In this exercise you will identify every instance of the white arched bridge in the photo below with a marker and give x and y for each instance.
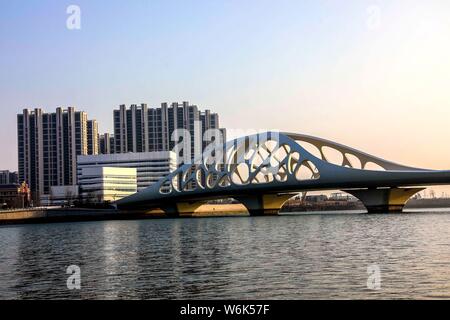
(263, 171)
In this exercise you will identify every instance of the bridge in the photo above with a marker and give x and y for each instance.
(263, 171)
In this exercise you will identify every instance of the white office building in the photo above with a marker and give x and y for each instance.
(150, 166)
(101, 184)
(60, 195)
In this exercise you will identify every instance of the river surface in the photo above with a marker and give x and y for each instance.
(294, 256)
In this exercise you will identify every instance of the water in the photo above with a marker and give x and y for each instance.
(296, 256)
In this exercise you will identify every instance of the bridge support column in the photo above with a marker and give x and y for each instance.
(181, 208)
(387, 200)
(264, 205)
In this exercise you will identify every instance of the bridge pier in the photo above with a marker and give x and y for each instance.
(265, 204)
(180, 208)
(384, 200)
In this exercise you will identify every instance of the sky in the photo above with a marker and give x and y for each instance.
(374, 75)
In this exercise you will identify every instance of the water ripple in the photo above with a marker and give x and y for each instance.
(287, 257)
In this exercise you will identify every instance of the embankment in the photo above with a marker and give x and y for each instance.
(44, 215)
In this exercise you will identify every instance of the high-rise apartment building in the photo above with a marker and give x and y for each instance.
(210, 121)
(8, 177)
(48, 144)
(106, 144)
(142, 129)
(158, 132)
(131, 129)
(92, 137)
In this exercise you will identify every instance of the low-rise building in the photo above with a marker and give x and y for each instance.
(106, 184)
(60, 195)
(150, 166)
(14, 196)
(316, 198)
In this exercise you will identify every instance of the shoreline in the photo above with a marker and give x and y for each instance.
(50, 215)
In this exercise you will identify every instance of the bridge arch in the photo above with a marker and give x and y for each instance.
(262, 170)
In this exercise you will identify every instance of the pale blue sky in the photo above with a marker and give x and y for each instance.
(318, 67)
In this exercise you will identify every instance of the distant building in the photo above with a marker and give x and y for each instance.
(341, 196)
(14, 196)
(150, 166)
(131, 129)
(106, 144)
(101, 184)
(224, 135)
(48, 144)
(143, 129)
(92, 137)
(8, 177)
(316, 198)
(60, 195)
(209, 121)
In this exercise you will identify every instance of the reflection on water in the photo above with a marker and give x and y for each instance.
(293, 256)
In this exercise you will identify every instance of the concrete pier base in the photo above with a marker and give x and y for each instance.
(180, 208)
(265, 204)
(384, 200)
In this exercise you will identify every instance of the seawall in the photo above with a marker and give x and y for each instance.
(66, 215)
(44, 215)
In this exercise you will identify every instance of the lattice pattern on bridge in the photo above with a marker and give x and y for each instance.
(267, 158)
(263, 169)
